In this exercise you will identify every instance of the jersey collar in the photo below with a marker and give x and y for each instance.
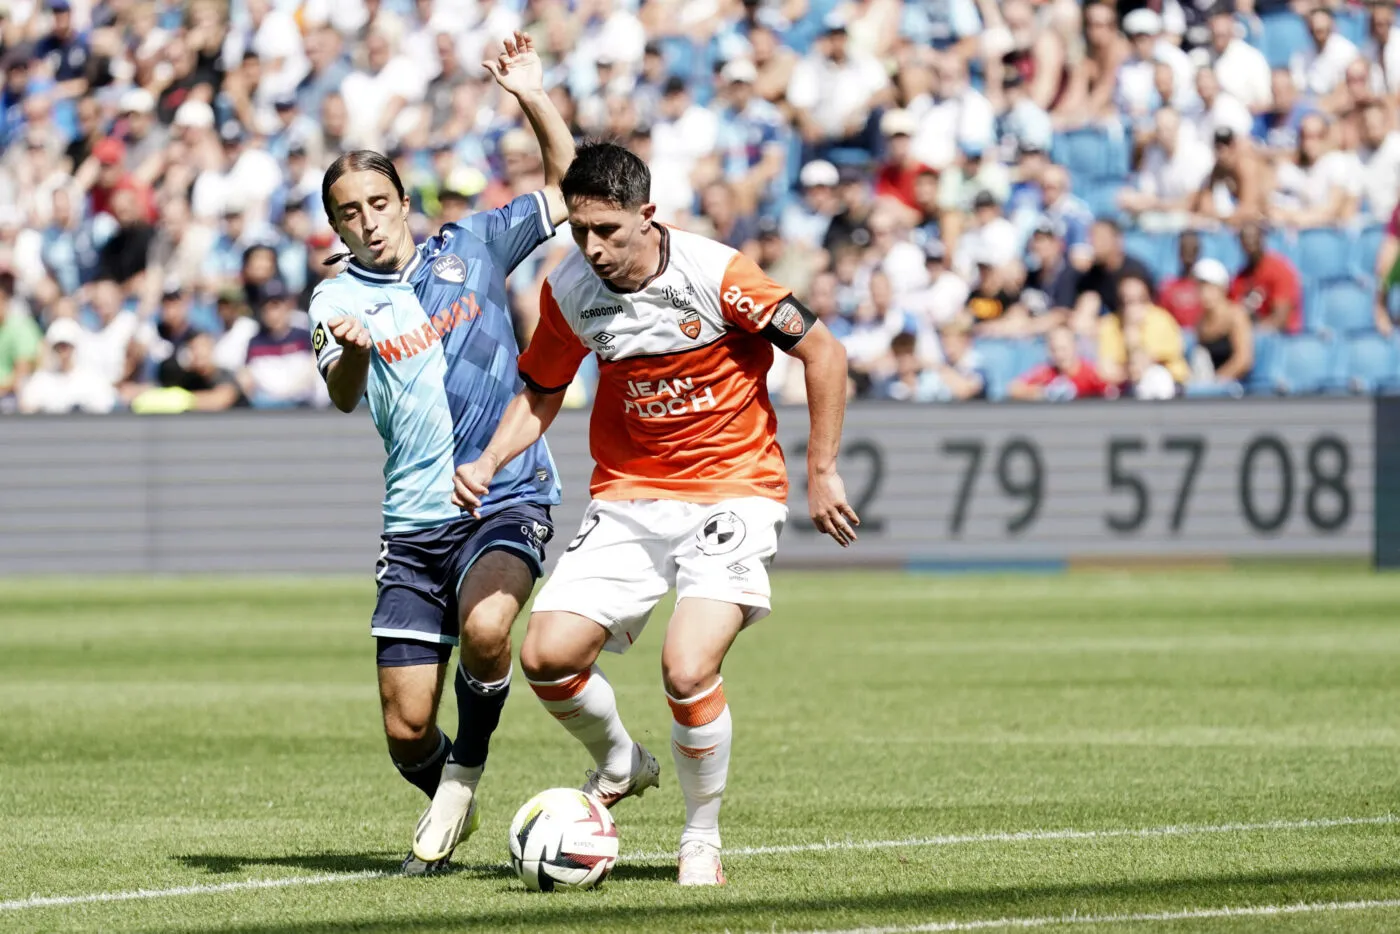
(384, 278)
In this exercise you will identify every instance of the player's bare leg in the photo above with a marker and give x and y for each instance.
(697, 639)
(559, 657)
(408, 698)
(491, 596)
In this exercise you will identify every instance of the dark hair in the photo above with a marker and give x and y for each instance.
(360, 160)
(607, 172)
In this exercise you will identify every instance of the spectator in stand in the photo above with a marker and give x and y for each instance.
(64, 52)
(991, 239)
(1137, 77)
(1242, 70)
(874, 324)
(1267, 286)
(751, 150)
(1379, 153)
(1063, 377)
(1070, 215)
(1181, 296)
(850, 227)
(1098, 292)
(280, 371)
(1216, 110)
(114, 350)
(239, 327)
(792, 264)
(835, 91)
(1141, 350)
(67, 383)
(1022, 124)
(995, 301)
(20, 341)
(199, 384)
(1052, 284)
(721, 220)
(1171, 174)
(1382, 48)
(956, 378)
(146, 139)
(1225, 338)
(172, 333)
(1319, 67)
(683, 136)
(126, 253)
(953, 116)
(1320, 186)
(945, 296)
(1277, 127)
(897, 177)
(1233, 192)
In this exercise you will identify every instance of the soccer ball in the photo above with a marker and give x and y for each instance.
(562, 839)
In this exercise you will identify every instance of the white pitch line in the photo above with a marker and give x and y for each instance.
(1192, 914)
(1023, 836)
(140, 894)
(1019, 836)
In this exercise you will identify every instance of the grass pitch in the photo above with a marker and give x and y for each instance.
(196, 735)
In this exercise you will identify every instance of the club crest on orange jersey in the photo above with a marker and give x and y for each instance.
(788, 320)
(690, 326)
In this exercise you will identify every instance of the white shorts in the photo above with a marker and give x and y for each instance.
(628, 554)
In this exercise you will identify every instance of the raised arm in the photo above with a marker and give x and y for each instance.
(518, 71)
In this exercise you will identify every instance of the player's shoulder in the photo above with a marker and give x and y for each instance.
(336, 292)
(700, 257)
(572, 281)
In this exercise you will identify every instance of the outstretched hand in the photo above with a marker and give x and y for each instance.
(830, 511)
(518, 69)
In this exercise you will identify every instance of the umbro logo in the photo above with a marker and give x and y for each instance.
(604, 338)
(737, 568)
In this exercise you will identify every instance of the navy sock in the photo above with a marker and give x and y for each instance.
(426, 774)
(478, 712)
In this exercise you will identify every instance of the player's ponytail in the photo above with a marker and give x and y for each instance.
(360, 160)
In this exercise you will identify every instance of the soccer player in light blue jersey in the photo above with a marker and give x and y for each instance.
(424, 333)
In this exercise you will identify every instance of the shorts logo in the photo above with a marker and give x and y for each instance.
(382, 565)
(690, 326)
(318, 338)
(789, 320)
(450, 268)
(722, 533)
(537, 533)
(737, 568)
(541, 475)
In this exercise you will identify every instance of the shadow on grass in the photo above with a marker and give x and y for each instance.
(221, 864)
(734, 909)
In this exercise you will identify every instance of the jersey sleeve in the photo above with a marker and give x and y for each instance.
(747, 297)
(323, 345)
(550, 361)
(512, 232)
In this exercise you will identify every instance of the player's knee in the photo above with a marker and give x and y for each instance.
(685, 679)
(486, 635)
(407, 727)
(545, 660)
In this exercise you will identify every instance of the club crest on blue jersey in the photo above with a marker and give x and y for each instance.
(450, 269)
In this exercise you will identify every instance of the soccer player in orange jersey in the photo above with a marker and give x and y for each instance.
(689, 487)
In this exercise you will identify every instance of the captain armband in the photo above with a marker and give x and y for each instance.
(789, 324)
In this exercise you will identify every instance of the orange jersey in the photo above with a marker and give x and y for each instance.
(682, 408)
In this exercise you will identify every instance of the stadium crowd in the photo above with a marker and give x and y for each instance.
(1029, 199)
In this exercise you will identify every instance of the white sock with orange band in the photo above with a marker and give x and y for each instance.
(701, 734)
(587, 707)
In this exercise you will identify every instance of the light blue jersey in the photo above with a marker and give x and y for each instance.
(443, 368)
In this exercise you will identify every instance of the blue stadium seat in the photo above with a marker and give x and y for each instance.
(1346, 308)
(1284, 34)
(1083, 152)
(1001, 361)
(1223, 245)
(1351, 24)
(1157, 250)
(1372, 364)
(1230, 390)
(1368, 244)
(1306, 364)
(1266, 352)
(1324, 254)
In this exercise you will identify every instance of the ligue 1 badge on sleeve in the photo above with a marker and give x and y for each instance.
(450, 268)
(318, 338)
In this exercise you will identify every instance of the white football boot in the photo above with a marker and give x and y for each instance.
(699, 864)
(646, 773)
(450, 819)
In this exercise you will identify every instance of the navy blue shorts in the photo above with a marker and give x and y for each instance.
(419, 575)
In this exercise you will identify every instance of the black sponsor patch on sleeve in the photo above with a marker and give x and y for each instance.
(790, 323)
